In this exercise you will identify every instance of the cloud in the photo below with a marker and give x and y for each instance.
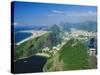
(80, 16)
(56, 12)
(72, 16)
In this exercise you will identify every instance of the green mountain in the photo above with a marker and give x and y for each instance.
(72, 56)
(55, 35)
(32, 46)
(36, 45)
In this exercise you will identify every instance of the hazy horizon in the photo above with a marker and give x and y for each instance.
(26, 13)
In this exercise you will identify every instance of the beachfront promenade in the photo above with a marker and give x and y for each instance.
(34, 35)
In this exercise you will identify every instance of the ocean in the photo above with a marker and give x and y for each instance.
(19, 36)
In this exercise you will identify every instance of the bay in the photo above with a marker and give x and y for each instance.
(19, 36)
(30, 64)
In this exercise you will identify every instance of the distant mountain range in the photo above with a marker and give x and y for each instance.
(30, 27)
(88, 25)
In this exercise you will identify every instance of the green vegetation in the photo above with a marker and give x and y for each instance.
(92, 62)
(81, 36)
(72, 56)
(36, 45)
(32, 46)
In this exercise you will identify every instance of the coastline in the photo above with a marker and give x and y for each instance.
(31, 56)
(34, 35)
(30, 37)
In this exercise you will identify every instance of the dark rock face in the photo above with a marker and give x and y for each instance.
(91, 43)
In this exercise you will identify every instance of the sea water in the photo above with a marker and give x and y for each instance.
(19, 36)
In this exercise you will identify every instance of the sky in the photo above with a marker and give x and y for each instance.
(27, 13)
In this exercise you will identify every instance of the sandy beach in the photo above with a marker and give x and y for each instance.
(34, 35)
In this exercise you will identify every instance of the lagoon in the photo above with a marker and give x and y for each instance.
(30, 64)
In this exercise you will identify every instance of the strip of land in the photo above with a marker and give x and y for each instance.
(34, 35)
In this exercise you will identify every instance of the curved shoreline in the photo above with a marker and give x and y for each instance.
(30, 37)
(37, 54)
(34, 35)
